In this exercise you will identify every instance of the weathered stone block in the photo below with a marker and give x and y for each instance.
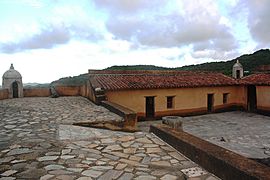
(173, 121)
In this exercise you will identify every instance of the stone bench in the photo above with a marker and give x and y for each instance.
(173, 121)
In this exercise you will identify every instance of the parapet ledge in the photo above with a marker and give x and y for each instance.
(215, 159)
(130, 117)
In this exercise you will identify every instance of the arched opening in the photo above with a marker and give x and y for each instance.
(15, 92)
(238, 74)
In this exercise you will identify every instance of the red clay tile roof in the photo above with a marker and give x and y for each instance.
(257, 79)
(123, 80)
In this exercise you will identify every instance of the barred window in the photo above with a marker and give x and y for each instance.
(225, 98)
(170, 103)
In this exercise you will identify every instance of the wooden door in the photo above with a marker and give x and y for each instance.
(210, 102)
(252, 98)
(15, 90)
(150, 107)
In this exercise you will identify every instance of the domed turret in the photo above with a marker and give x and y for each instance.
(12, 73)
(12, 80)
(237, 71)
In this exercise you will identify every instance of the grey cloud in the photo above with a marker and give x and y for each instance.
(50, 36)
(258, 19)
(85, 32)
(216, 55)
(154, 27)
(47, 38)
(127, 6)
(222, 44)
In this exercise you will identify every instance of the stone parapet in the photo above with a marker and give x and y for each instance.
(36, 92)
(130, 117)
(3, 94)
(217, 160)
(68, 90)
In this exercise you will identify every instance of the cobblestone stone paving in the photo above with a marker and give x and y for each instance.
(245, 133)
(38, 141)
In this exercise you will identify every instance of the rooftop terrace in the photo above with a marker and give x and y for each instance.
(38, 140)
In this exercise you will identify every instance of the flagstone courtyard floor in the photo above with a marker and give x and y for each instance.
(38, 141)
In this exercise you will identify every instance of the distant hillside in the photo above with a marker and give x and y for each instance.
(71, 81)
(250, 62)
(35, 85)
(137, 67)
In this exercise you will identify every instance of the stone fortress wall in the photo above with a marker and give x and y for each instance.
(3, 94)
(36, 92)
(45, 92)
(12, 87)
(68, 90)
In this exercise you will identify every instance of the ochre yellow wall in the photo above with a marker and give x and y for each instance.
(263, 97)
(187, 99)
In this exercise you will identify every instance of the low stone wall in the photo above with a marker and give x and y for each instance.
(217, 160)
(3, 94)
(263, 110)
(83, 90)
(68, 90)
(45, 92)
(130, 117)
(36, 92)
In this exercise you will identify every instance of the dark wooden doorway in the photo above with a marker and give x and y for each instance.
(150, 107)
(210, 102)
(237, 74)
(15, 90)
(252, 98)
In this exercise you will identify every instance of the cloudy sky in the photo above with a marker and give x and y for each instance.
(50, 39)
